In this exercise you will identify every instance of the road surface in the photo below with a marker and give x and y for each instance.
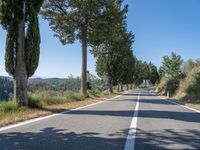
(128, 122)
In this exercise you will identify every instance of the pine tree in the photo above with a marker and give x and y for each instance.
(172, 65)
(87, 21)
(115, 58)
(20, 19)
(154, 76)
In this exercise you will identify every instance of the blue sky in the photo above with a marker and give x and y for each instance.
(160, 27)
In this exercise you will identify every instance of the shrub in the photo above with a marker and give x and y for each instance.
(105, 92)
(172, 86)
(162, 85)
(94, 93)
(35, 103)
(54, 97)
(167, 84)
(9, 106)
(190, 86)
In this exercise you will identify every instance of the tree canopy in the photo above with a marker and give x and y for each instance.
(20, 19)
(171, 65)
(88, 21)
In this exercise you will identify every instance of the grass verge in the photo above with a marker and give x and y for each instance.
(46, 103)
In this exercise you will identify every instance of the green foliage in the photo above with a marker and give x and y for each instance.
(115, 60)
(144, 72)
(168, 85)
(11, 48)
(138, 73)
(54, 97)
(91, 22)
(172, 86)
(68, 17)
(171, 74)
(32, 46)
(20, 19)
(11, 14)
(94, 93)
(35, 103)
(154, 76)
(171, 65)
(9, 108)
(70, 84)
(190, 86)
(189, 65)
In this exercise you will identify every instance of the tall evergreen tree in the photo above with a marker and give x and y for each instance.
(138, 76)
(115, 58)
(154, 76)
(85, 20)
(20, 19)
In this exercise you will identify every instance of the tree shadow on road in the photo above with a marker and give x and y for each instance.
(60, 139)
(192, 117)
(168, 139)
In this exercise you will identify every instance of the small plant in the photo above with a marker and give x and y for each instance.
(42, 98)
(94, 93)
(35, 103)
(9, 106)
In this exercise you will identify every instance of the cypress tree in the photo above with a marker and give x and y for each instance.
(20, 19)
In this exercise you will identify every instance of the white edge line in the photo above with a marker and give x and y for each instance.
(180, 105)
(130, 140)
(53, 115)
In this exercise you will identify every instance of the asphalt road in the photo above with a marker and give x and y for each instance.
(106, 126)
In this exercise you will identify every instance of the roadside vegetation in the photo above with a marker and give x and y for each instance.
(47, 102)
(180, 80)
(100, 25)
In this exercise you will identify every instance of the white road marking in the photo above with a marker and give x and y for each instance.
(130, 141)
(169, 101)
(54, 115)
(181, 105)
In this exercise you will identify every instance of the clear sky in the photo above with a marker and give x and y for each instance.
(160, 27)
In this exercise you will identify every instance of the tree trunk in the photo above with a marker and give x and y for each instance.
(20, 75)
(131, 86)
(127, 87)
(122, 89)
(118, 87)
(110, 88)
(84, 61)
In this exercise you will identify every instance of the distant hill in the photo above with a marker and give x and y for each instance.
(6, 88)
(43, 84)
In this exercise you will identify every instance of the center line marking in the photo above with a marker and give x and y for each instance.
(130, 140)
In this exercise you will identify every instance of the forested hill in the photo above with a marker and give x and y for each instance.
(6, 87)
(57, 84)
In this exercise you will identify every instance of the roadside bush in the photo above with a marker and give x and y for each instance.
(10, 107)
(35, 103)
(105, 92)
(167, 84)
(53, 97)
(172, 86)
(94, 93)
(162, 85)
(190, 86)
